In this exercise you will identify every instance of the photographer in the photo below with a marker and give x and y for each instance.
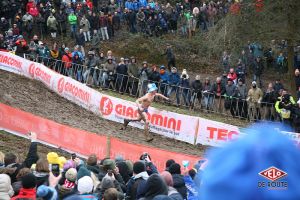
(150, 167)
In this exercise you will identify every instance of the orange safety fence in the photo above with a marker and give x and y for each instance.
(79, 141)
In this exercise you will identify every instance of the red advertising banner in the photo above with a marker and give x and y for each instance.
(52, 133)
(79, 141)
(158, 156)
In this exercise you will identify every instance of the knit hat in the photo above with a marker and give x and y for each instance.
(109, 164)
(85, 185)
(129, 164)
(119, 158)
(71, 174)
(28, 181)
(162, 67)
(45, 192)
(242, 160)
(139, 167)
(83, 172)
(61, 161)
(69, 164)
(253, 82)
(52, 158)
(167, 178)
(175, 169)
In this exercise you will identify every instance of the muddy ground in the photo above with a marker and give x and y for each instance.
(32, 96)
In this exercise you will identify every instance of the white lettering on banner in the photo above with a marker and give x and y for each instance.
(37, 73)
(168, 124)
(8, 60)
(74, 90)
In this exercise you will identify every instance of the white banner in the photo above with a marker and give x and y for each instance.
(168, 124)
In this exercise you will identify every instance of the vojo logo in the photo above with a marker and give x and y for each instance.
(31, 70)
(106, 106)
(61, 85)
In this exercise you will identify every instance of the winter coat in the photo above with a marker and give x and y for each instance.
(91, 62)
(241, 91)
(179, 185)
(52, 23)
(270, 98)
(41, 178)
(80, 39)
(154, 76)
(121, 69)
(218, 89)
(31, 158)
(197, 86)
(192, 193)
(258, 68)
(185, 82)
(72, 19)
(278, 86)
(240, 72)
(230, 90)
(255, 95)
(174, 194)
(165, 78)
(174, 79)
(103, 21)
(6, 190)
(67, 60)
(43, 52)
(94, 22)
(133, 70)
(85, 25)
(144, 74)
(110, 67)
(25, 194)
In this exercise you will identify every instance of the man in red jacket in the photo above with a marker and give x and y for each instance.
(28, 190)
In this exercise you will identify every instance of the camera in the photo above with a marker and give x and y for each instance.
(144, 156)
(55, 169)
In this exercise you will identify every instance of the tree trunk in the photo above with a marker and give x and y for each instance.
(291, 71)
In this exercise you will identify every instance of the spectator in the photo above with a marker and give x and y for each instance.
(4, 25)
(67, 63)
(185, 84)
(196, 91)
(258, 70)
(172, 192)
(108, 74)
(18, 184)
(164, 77)
(154, 76)
(224, 78)
(77, 66)
(52, 25)
(241, 95)
(103, 22)
(150, 167)
(85, 26)
(72, 19)
(178, 180)
(43, 53)
(230, 97)
(155, 186)
(219, 90)
(10, 159)
(111, 194)
(137, 184)
(284, 106)
(207, 94)
(174, 79)
(66, 188)
(28, 190)
(46, 192)
(232, 75)
(61, 18)
(254, 98)
(96, 38)
(143, 74)
(170, 57)
(133, 73)
(278, 86)
(241, 71)
(6, 190)
(41, 172)
(169, 163)
(269, 100)
(225, 61)
(280, 63)
(80, 41)
(122, 77)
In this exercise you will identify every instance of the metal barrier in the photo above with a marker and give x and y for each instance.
(179, 96)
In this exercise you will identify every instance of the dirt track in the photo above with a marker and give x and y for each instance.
(32, 96)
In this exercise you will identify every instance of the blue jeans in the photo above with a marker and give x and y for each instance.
(208, 102)
(73, 30)
(170, 92)
(186, 97)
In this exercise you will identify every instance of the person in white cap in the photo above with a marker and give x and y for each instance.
(254, 98)
(143, 105)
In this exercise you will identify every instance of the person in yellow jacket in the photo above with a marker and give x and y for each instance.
(283, 107)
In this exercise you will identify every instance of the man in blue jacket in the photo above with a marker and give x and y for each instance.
(174, 80)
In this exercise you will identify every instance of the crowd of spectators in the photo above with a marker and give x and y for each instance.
(55, 177)
(229, 93)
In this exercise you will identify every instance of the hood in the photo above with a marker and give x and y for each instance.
(6, 189)
(143, 175)
(178, 180)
